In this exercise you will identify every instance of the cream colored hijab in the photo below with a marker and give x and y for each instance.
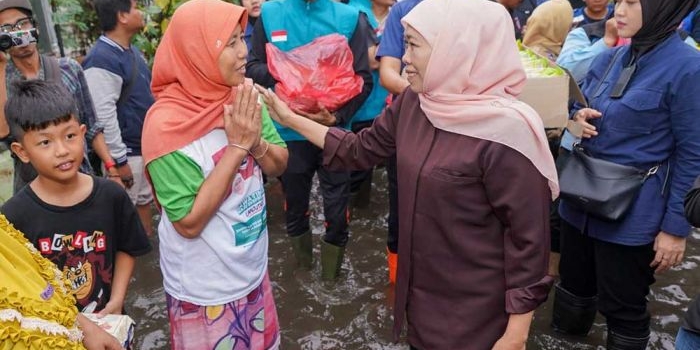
(548, 26)
(474, 76)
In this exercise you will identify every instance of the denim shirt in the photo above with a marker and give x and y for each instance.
(656, 121)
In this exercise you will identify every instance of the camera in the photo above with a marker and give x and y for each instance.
(19, 38)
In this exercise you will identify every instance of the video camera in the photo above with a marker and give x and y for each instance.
(18, 38)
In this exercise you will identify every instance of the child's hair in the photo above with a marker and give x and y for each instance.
(37, 104)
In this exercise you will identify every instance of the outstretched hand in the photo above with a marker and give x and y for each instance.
(279, 110)
(323, 117)
(242, 119)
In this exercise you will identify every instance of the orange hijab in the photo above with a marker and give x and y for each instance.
(188, 87)
(474, 76)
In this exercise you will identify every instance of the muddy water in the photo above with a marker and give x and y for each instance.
(355, 313)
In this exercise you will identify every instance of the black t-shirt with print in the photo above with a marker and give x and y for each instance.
(82, 240)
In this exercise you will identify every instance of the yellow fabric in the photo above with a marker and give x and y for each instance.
(24, 276)
(548, 26)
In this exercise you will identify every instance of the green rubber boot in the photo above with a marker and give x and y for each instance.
(302, 250)
(331, 259)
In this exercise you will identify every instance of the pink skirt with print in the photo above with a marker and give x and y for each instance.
(249, 323)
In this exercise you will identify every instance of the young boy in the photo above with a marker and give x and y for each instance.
(86, 225)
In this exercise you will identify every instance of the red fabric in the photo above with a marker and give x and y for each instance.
(318, 74)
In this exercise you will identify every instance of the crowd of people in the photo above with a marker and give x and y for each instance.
(483, 218)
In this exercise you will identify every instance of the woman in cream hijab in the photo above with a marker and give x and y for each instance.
(475, 179)
(547, 28)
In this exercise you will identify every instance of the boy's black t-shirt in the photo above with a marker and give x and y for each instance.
(82, 240)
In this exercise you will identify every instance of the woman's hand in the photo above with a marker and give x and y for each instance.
(509, 343)
(323, 117)
(113, 307)
(515, 335)
(669, 251)
(96, 338)
(279, 111)
(582, 116)
(242, 120)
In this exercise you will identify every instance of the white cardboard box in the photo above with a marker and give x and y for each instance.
(549, 96)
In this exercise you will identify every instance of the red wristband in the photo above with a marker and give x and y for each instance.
(109, 164)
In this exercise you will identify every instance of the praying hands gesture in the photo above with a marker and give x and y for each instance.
(242, 120)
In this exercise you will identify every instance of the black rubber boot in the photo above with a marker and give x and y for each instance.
(572, 314)
(331, 259)
(302, 250)
(622, 342)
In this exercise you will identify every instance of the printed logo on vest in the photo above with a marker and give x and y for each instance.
(278, 36)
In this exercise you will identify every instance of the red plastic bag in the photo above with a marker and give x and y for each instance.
(318, 74)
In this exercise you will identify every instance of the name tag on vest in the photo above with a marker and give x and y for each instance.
(278, 36)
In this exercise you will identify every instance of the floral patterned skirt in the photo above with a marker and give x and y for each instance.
(249, 323)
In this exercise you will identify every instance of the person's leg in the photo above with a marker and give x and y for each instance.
(335, 187)
(140, 193)
(575, 296)
(624, 277)
(687, 340)
(555, 220)
(296, 183)
(361, 181)
(193, 327)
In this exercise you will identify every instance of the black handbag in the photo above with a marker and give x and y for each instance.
(598, 187)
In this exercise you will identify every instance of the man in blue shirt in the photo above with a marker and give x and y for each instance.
(120, 84)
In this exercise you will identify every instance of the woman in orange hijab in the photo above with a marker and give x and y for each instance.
(475, 179)
(206, 142)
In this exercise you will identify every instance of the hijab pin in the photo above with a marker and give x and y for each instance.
(218, 44)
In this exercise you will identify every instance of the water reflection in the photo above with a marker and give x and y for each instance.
(355, 313)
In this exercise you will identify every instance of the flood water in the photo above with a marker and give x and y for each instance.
(355, 312)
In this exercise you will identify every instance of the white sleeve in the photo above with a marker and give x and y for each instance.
(105, 88)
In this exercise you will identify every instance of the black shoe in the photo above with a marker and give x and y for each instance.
(572, 314)
(622, 342)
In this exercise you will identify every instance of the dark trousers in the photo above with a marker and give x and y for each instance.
(619, 275)
(562, 156)
(305, 160)
(357, 178)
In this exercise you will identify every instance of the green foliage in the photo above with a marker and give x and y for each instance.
(79, 26)
(158, 16)
(77, 22)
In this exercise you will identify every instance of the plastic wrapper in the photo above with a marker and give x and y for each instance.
(119, 326)
(537, 66)
(318, 74)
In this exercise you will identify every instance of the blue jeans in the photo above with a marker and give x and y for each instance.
(686, 340)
